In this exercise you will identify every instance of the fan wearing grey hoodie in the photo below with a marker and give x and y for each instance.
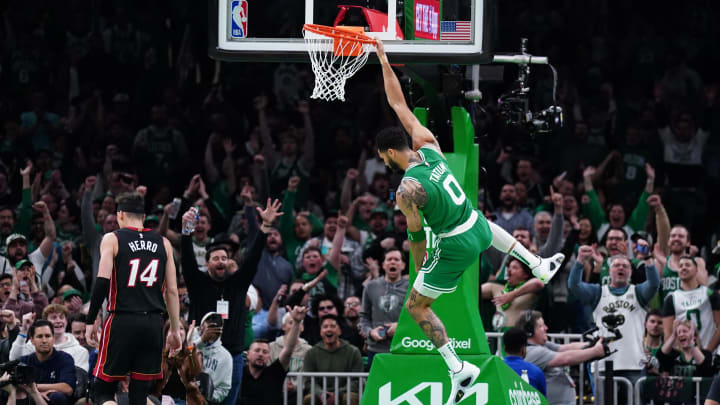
(382, 303)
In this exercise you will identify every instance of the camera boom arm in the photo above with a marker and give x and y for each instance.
(515, 105)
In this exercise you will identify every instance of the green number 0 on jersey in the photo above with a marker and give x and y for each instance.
(457, 195)
(695, 312)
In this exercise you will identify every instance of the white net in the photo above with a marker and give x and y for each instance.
(332, 70)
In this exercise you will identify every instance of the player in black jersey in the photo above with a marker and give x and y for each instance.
(135, 271)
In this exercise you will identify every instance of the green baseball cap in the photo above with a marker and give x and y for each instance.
(71, 293)
(378, 210)
(22, 263)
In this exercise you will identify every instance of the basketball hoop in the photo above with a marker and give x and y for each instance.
(336, 54)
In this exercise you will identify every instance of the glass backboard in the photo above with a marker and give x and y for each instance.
(426, 31)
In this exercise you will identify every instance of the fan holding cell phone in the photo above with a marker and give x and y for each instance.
(217, 361)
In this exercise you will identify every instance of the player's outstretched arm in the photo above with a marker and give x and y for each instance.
(411, 196)
(421, 136)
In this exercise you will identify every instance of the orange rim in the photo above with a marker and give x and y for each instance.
(338, 32)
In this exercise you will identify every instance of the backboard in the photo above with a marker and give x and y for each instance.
(426, 31)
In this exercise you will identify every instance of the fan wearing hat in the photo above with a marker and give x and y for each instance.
(17, 245)
(25, 296)
(152, 222)
(73, 301)
(217, 360)
(379, 239)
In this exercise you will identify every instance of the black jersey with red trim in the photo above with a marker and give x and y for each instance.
(138, 279)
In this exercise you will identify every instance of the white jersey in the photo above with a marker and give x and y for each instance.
(695, 306)
(630, 354)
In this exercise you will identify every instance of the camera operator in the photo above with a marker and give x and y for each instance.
(551, 357)
(25, 390)
(619, 308)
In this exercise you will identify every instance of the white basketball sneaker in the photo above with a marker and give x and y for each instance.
(461, 381)
(548, 267)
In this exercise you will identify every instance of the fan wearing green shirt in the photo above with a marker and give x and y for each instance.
(296, 229)
(616, 217)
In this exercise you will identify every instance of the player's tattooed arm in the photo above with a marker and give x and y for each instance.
(410, 197)
(411, 193)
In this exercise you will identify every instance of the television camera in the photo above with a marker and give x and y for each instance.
(20, 373)
(514, 106)
(611, 322)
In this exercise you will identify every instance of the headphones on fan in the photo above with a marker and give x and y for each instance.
(528, 324)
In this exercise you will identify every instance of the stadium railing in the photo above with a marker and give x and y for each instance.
(671, 390)
(334, 379)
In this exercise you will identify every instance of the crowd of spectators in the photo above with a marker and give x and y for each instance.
(104, 97)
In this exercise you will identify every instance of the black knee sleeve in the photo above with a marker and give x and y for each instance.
(138, 392)
(103, 391)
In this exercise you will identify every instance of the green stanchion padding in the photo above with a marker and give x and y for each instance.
(414, 372)
(423, 380)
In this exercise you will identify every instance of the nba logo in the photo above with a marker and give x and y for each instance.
(239, 19)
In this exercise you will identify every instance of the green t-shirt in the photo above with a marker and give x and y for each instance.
(447, 206)
(327, 286)
(669, 282)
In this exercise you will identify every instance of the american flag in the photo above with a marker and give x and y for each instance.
(455, 30)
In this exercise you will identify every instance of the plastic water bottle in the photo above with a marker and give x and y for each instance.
(189, 226)
(525, 377)
(175, 208)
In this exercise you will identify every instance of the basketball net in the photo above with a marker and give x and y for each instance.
(336, 54)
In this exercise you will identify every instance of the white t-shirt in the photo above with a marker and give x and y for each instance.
(37, 259)
(630, 353)
(689, 153)
(696, 305)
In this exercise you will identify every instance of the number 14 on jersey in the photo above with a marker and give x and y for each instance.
(148, 275)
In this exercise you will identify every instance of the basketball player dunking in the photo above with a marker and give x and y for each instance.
(428, 186)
